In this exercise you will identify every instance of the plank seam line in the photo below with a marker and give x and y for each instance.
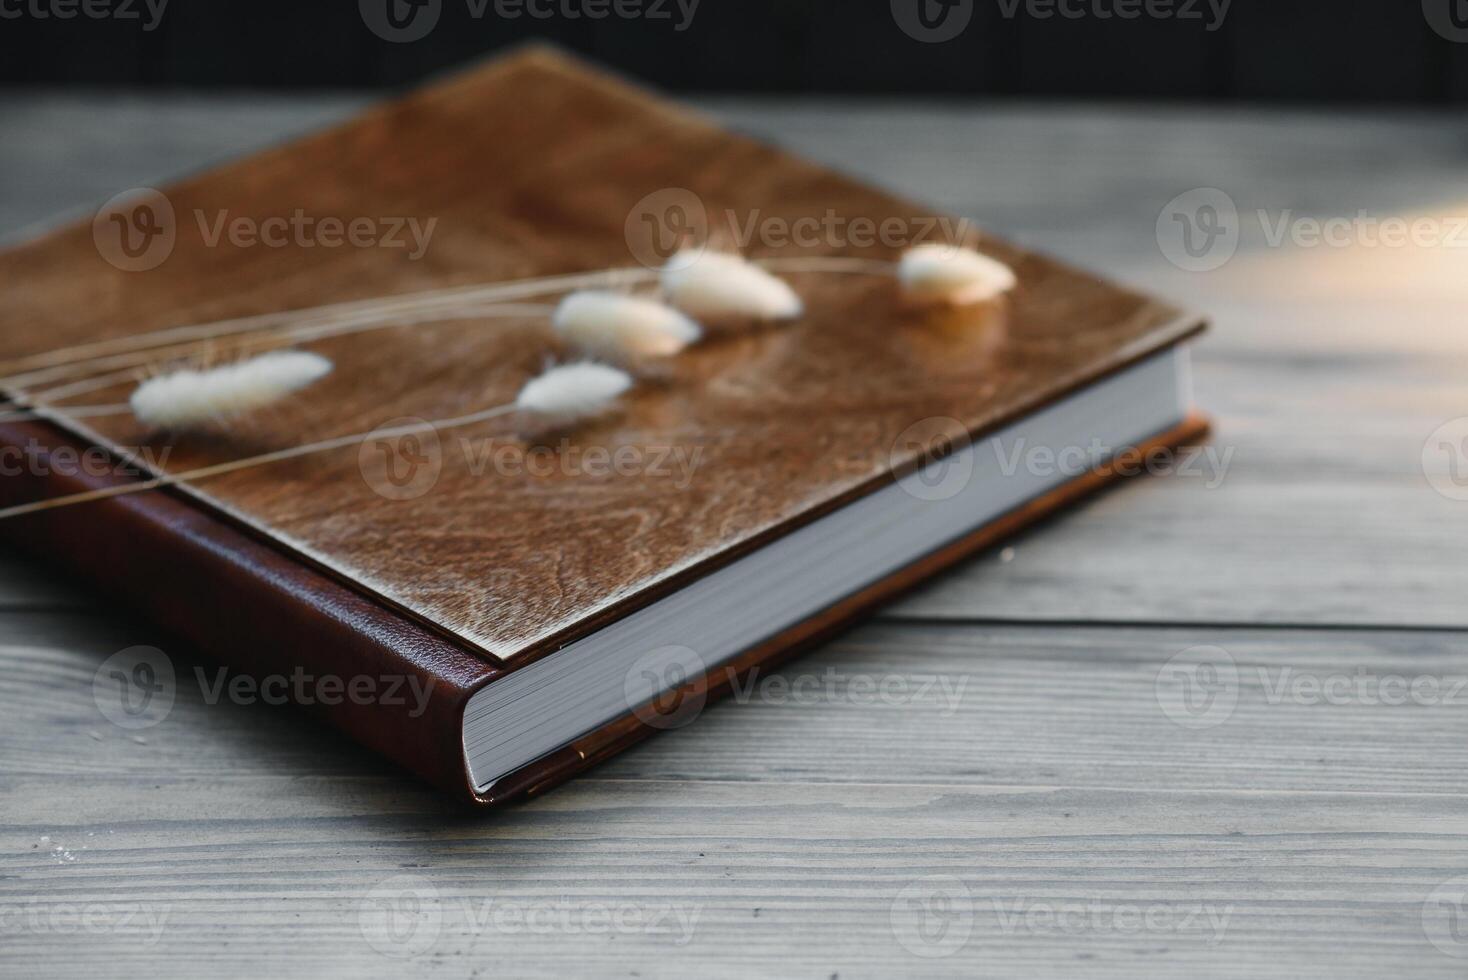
(904, 619)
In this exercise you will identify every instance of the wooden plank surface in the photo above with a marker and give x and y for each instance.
(789, 825)
(995, 706)
(1031, 763)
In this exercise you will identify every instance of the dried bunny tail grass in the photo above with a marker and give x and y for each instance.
(721, 285)
(250, 462)
(622, 327)
(190, 398)
(569, 392)
(561, 394)
(37, 368)
(102, 373)
(374, 308)
(936, 273)
(52, 412)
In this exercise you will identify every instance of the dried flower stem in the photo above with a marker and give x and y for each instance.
(129, 364)
(28, 370)
(563, 393)
(79, 412)
(248, 462)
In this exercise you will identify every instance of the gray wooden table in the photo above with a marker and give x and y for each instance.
(1032, 796)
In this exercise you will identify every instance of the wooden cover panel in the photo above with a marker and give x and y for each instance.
(531, 166)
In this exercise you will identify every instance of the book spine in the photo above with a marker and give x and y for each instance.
(242, 602)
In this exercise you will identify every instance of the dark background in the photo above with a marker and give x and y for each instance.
(1276, 50)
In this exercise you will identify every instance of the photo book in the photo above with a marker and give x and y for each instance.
(559, 589)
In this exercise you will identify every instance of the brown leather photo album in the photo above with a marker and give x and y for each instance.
(556, 589)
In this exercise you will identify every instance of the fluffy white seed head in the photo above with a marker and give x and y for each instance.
(191, 397)
(621, 327)
(573, 391)
(720, 285)
(935, 273)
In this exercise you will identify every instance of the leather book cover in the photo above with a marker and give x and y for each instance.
(472, 552)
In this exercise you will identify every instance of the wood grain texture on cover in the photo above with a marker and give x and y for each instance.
(531, 166)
